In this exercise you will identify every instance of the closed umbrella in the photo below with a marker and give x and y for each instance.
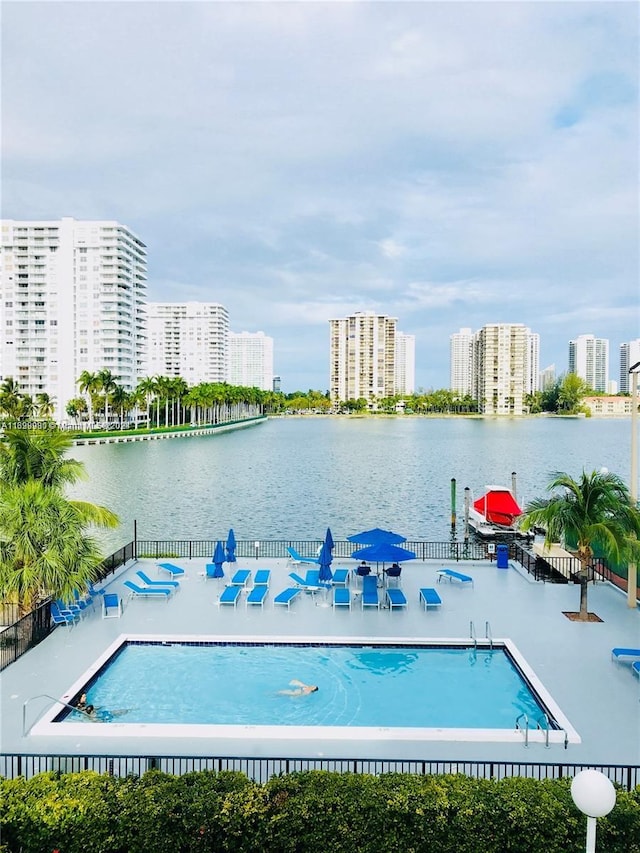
(329, 539)
(218, 560)
(377, 537)
(231, 546)
(324, 575)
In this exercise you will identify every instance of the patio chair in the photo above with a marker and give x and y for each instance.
(635, 666)
(83, 601)
(70, 607)
(396, 598)
(340, 577)
(262, 578)
(257, 595)
(241, 577)
(452, 576)
(287, 596)
(111, 606)
(148, 591)
(166, 584)
(174, 571)
(429, 597)
(625, 654)
(297, 560)
(61, 616)
(341, 597)
(230, 595)
(370, 592)
(303, 583)
(393, 572)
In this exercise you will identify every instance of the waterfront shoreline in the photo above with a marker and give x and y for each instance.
(212, 429)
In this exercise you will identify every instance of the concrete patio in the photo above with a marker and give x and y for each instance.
(573, 660)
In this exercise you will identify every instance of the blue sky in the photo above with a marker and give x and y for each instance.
(450, 164)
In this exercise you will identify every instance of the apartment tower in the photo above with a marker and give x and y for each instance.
(188, 339)
(589, 359)
(251, 360)
(461, 362)
(629, 355)
(363, 356)
(405, 363)
(72, 300)
(505, 359)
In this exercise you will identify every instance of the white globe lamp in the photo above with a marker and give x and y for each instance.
(594, 794)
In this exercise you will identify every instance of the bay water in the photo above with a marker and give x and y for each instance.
(290, 478)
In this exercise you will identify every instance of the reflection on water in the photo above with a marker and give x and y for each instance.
(289, 479)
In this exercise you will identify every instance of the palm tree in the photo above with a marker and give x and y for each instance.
(89, 384)
(44, 548)
(107, 384)
(147, 389)
(594, 511)
(10, 398)
(76, 407)
(45, 404)
(29, 455)
(120, 399)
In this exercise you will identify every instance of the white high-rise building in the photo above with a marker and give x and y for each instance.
(72, 297)
(405, 363)
(363, 356)
(629, 355)
(251, 360)
(504, 354)
(532, 367)
(188, 339)
(461, 362)
(547, 378)
(589, 359)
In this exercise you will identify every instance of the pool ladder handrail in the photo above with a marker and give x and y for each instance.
(472, 634)
(53, 699)
(542, 723)
(487, 633)
(524, 729)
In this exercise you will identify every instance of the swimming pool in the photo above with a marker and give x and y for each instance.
(400, 689)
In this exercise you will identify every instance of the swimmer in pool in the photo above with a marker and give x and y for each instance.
(300, 688)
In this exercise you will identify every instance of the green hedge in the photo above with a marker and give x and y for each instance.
(315, 811)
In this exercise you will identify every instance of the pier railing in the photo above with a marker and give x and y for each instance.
(262, 769)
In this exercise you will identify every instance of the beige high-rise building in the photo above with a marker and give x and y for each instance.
(505, 361)
(73, 298)
(363, 357)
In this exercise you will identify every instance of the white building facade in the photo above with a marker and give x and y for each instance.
(629, 355)
(188, 339)
(461, 362)
(589, 359)
(251, 360)
(506, 367)
(72, 299)
(362, 357)
(405, 363)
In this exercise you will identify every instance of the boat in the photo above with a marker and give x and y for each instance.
(495, 514)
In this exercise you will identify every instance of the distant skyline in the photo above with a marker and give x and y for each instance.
(449, 164)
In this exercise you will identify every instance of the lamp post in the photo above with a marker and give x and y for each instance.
(632, 582)
(594, 794)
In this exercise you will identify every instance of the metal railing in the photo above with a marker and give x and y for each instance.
(24, 634)
(262, 769)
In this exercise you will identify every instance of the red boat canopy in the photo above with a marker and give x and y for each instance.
(498, 507)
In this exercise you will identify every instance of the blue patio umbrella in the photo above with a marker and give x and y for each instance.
(384, 552)
(377, 537)
(324, 559)
(231, 546)
(329, 539)
(218, 560)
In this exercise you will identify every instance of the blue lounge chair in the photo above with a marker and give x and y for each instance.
(262, 577)
(166, 584)
(257, 595)
(61, 616)
(111, 605)
(83, 601)
(211, 572)
(341, 597)
(636, 667)
(429, 597)
(241, 577)
(370, 591)
(297, 560)
(230, 595)
(396, 598)
(625, 654)
(340, 577)
(452, 576)
(287, 595)
(148, 591)
(174, 571)
(303, 583)
(69, 607)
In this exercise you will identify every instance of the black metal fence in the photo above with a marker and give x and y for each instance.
(277, 549)
(262, 769)
(560, 569)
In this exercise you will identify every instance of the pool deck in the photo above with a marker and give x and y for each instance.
(600, 697)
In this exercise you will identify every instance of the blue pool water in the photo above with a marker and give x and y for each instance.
(381, 686)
